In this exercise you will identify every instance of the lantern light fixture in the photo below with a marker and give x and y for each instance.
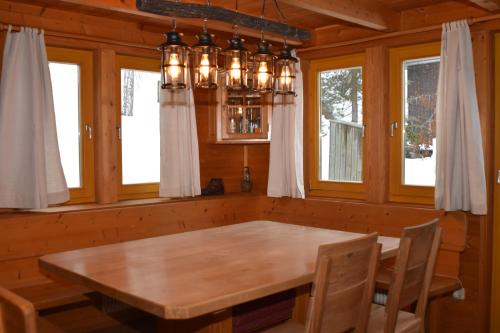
(285, 72)
(205, 54)
(236, 63)
(174, 60)
(263, 67)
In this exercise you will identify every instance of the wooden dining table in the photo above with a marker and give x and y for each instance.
(189, 274)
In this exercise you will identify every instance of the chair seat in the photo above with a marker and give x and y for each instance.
(407, 322)
(287, 327)
(45, 326)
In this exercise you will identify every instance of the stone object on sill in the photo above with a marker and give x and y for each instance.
(215, 187)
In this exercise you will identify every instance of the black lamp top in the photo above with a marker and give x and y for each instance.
(263, 47)
(286, 54)
(235, 44)
(173, 39)
(205, 39)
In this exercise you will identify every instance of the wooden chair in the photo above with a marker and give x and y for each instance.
(17, 315)
(342, 289)
(411, 281)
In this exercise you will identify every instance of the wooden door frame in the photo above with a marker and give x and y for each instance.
(495, 285)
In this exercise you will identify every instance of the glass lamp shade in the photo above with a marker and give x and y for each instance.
(174, 55)
(236, 64)
(285, 73)
(205, 54)
(263, 68)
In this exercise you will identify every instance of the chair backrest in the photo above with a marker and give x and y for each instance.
(413, 271)
(343, 285)
(17, 315)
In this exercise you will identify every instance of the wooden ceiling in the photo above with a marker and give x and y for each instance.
(318, 16)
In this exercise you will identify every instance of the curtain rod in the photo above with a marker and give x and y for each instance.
(17, 28)
(471, 21)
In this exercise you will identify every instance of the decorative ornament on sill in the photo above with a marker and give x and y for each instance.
(174, 59)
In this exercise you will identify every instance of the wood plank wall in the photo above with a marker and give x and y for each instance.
(25, 236)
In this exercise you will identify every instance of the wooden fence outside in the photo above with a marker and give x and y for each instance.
(346, 151)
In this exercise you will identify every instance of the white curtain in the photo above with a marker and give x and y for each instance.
(180, 162)
(460, 177)
(31, 174)
(286, 176)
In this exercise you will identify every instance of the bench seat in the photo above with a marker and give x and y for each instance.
(52, 294)
(440, 285)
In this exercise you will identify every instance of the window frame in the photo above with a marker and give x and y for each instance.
(132, 191)
(319, 187)
(84, 59)
(398, 192)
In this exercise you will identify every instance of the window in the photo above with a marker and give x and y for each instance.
(139, 82)
(414, 79)
(71, 76)
(337, 124)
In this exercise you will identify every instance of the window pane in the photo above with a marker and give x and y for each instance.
(140, 126)
(66, 90)
(341, 129)
(419, 131)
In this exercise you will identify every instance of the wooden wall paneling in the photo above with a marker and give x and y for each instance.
(365, 218)
(495, 301)
(30, 235)
(376, 96)
(258, 162)
(106, 160)
(216, 160)
(443, 12)
(80, 24)
(483, 48)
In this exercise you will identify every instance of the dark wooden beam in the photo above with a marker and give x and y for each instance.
(193, 10)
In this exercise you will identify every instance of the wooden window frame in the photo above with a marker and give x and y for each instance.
(132, 191)
(319, 187)
(84, 59)
(398, 192)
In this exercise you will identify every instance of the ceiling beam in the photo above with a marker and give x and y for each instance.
(491, 5)
(127, 10)
(201, 11)
(366, 13)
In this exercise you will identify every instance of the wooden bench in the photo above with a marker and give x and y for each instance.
(50, 295)
(440, 285)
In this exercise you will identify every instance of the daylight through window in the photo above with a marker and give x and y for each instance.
(420, 79)
(341, 125)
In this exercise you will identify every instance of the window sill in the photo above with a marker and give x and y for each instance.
(125, 203)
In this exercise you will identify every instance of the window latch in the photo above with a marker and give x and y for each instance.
(394, 127)
(88, 130)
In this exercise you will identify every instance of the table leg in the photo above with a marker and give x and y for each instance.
(301, 307)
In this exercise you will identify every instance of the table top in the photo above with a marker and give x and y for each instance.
(188, 274)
